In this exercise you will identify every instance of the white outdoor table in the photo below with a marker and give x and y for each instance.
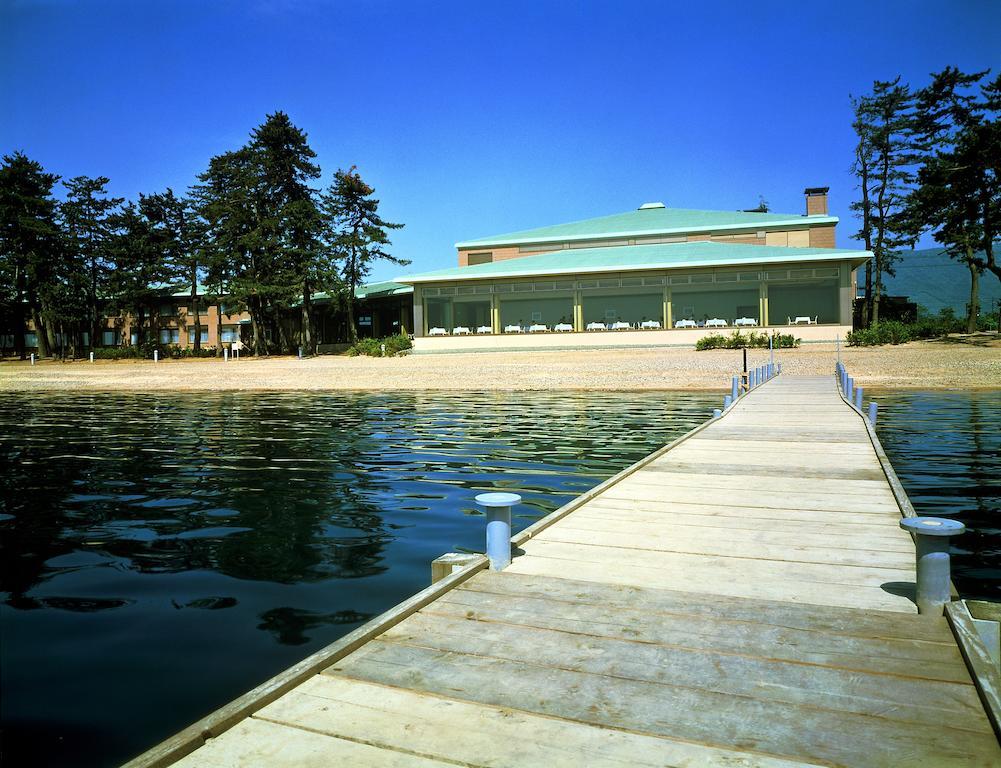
(596, 327)
(460, 330)
(716, 323)
(538, 328)
(685, 324)
(437, 332)
(620, 326)
(563, 328)
(802, 321)
(484, 329)
(512, 329)
(745, 321)
(650, 324)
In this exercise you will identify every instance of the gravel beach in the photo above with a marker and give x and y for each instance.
(920, 365)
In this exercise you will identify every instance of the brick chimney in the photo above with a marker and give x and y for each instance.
(816, 201)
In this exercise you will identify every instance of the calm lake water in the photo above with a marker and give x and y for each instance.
(160, 555)
(163, 554)
(946, 449)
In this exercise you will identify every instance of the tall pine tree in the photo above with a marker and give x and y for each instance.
(357, 233)
(86, 220)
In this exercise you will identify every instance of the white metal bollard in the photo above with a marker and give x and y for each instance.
(300, 353)
(498, 507)
(225, 355)
(931, 542)
(156, 355)
(91, 357)
(32, 358)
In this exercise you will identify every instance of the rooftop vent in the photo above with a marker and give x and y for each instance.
(648, 206)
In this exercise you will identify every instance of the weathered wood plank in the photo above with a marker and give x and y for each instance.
(254, 742)
(932, 702)
(872, 653)
(465, 733)
(695, 715)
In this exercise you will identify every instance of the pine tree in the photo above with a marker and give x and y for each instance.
(179, 234)
(85, 218)
(885, 157)
(30, 242)
(357, 234)
(952, 130)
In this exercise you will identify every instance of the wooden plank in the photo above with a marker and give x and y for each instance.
(694, 715)
(754, 547)
(932, 702)
(262, 743)
(982, 667)
(889, 656)
(497, 737)
(669, 603)
(722, 576)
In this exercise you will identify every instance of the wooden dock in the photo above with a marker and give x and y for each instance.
(743, 597)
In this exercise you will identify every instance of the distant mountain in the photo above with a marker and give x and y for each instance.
(933, 280)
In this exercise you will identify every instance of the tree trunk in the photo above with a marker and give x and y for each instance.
(255, 326)
(41, 335)
(194, 308)
(306, 335)
(20, 323)
(971, 308)
(218, 326)
(867, 302)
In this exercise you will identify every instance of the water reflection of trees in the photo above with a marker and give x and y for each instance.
(310, 519)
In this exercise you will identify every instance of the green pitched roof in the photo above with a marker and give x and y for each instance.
(626, 258)
(372, 290)
(649, 221)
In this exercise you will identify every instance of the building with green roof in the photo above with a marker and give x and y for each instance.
(648, 269)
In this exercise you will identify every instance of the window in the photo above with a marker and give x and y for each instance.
(166, 310)
(480, 258)
(170, 336)
(230, 333)
(31, 339)
(109, 338)
(203, 336)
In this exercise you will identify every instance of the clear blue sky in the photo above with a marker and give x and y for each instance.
(472, 119)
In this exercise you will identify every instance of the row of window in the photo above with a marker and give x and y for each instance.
(805, 273)
(171, 310)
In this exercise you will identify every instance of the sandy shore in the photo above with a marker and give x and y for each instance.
(931, 364)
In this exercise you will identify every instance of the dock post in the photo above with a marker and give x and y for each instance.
(717, 413)
(837, 342)
(858, 398)
(448, 564)
(735, 389)
(727, 402)
(753, 377)
(931, 542)
(850, 389)
(91, 357)
(873, 407)
(156, 355)
(498, 526)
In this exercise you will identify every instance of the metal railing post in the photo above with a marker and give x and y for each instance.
(727, 402)
(858, 398)
(873, 407)
(735, 389)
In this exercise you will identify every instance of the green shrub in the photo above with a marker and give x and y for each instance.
(373, 347)
(889, 332)
(738, 340)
